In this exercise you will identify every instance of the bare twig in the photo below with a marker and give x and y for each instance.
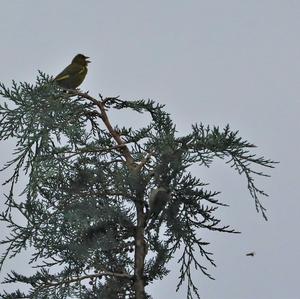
(101, 105)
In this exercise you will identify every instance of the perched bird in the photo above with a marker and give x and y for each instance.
(158, 200)
(73, 75)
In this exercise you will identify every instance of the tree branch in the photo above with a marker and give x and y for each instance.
(89, 276)
(123, 148)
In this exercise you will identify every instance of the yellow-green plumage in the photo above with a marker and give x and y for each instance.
(73, 75)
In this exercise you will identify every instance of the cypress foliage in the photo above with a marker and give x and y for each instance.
(85, 210)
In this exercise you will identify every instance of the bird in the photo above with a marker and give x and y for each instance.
(73, 75)
(159, 197)
(250, 253)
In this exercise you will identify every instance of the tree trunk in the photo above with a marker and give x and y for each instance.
(139, 253)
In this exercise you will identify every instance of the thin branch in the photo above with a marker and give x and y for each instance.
(89, 150)
(89, 276)
(101, 105)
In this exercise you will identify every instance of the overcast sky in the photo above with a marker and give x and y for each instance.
(215, 62)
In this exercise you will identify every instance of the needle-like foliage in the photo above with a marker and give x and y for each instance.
(84, 211)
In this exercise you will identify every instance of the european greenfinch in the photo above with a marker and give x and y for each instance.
(159, 197)
(73, 75)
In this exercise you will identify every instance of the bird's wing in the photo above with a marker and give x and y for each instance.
(70, 70)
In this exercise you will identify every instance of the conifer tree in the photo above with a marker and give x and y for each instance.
(85, 211)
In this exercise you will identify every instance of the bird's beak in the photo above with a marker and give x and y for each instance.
(86, 59)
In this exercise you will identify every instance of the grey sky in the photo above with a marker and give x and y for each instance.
(215, 62)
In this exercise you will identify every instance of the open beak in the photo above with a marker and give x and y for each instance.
(86, 59)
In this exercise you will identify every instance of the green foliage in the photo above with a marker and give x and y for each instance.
(79, 207)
